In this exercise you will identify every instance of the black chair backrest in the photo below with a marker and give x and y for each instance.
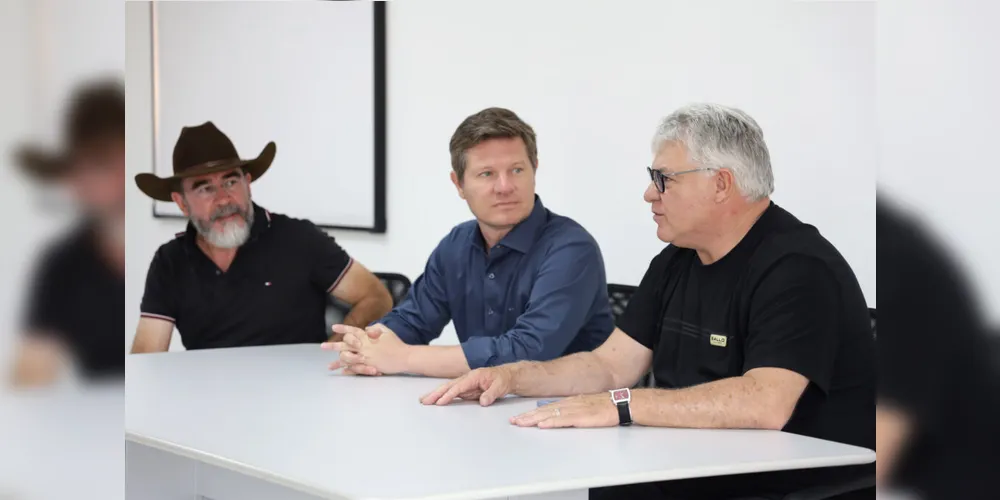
(398, 285)
(618, 296)
(871, 313)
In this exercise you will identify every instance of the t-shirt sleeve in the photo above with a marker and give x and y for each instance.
(642, 313)
(159, 298)
(330, 262)
(793, 320)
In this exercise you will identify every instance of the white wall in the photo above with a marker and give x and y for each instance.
(938, 109)
(594, 88)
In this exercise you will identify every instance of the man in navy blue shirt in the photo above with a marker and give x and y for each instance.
(520, 282)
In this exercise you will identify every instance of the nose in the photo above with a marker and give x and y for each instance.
(223, 196)
(504, 183)
(651, 194)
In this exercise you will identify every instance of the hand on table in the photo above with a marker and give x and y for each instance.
(376, 350)
(486, 384)
(592, 410)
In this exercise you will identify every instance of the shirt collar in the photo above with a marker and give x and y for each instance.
(524, 234)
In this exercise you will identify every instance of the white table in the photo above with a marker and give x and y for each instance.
(62, 443)
(272, 422)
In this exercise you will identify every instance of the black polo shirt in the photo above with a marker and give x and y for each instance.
(79, 299)
(783, 297)
(275, 291)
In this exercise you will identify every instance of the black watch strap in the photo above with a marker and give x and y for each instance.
(624, 413)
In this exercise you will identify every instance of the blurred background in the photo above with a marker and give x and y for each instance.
(893, 100)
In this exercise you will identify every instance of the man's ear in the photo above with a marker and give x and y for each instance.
(725, 185)
(458, 184)
(179, 200)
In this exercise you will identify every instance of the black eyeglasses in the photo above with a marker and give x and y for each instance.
(660, 179)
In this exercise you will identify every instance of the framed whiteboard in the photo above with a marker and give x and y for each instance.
(308, 75)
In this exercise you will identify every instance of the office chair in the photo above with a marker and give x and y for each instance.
(618, 297)
(871, 313)
(397, 284)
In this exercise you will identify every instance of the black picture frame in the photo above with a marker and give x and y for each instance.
(379, 111)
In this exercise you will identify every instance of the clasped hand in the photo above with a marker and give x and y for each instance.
(376, 350)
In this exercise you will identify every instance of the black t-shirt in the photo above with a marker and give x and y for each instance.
(78, 299)
(934, 364)
(274, 292)
(784, 297)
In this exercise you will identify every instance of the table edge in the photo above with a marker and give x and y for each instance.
(231, 465)
(862, 457)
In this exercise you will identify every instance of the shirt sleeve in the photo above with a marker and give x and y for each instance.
(559, 305)
(793, 320)
(159, 300)
(424, 312)
(330, 262)
(643, 311)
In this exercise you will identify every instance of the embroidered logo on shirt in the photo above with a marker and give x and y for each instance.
(718, 340)
(267, 283)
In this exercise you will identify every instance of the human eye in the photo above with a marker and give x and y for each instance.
(485, 173)
(518, 170)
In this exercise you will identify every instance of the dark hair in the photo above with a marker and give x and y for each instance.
(96, 112)
(490, 123)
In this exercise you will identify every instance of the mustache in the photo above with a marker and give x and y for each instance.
(226, 211)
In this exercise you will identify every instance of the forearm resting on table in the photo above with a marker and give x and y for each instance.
(436, 361)
(732, 403)
(38, 361)
(580, 373)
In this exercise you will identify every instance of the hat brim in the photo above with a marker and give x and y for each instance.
(160, 188)
(41, 164)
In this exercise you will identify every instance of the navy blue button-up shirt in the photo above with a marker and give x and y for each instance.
(539, 294)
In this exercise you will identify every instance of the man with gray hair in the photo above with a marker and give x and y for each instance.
(748, 319)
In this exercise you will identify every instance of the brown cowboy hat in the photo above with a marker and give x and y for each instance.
(96, 112)
(201, 150)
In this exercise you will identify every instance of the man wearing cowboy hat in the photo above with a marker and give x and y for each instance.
(78, 288)
(241, 275)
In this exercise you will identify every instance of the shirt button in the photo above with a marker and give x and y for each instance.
(491, 276)
(217, 272)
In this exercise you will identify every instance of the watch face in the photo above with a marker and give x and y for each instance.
(620, 395)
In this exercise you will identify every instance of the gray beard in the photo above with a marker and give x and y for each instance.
(232, 234)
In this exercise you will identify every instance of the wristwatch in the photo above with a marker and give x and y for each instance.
(621, 398)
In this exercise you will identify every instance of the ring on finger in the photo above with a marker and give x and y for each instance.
(557, 412)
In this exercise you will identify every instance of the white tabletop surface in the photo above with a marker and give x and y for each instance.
(57, 444)
(278, 414)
